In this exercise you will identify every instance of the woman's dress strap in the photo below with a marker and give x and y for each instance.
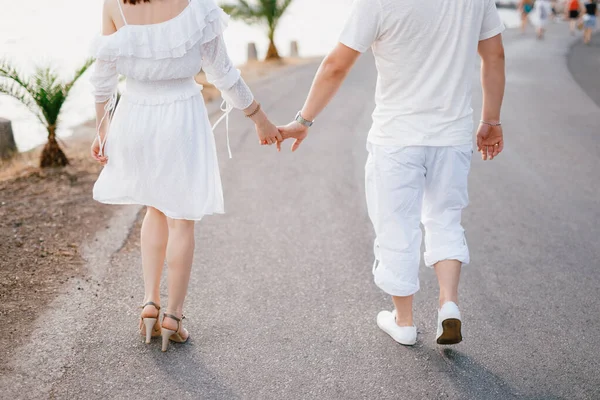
(122, 13)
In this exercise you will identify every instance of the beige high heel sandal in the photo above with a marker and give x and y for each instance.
(149, 327)
(168, 334)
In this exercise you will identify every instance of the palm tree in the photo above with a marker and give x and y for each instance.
(43, 94)
(266, 11)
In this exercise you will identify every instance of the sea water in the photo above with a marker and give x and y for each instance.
(59, 32)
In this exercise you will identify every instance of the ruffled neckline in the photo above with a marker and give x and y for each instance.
(199, 22)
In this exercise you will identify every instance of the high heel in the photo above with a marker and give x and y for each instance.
(168, 334)
(149, 327)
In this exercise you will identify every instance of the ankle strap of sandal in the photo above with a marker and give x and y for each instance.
(174, 318)
(151, 303)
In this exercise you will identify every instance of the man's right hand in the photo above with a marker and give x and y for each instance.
(293, 130)
(490, 141)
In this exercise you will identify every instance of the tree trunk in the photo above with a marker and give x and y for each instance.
(52, 155)
(272, 53)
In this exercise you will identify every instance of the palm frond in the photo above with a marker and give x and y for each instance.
(243, 11)
(78, 74)
(49, 93)
(10, 72)
(43, 93)
(13, 89)
(284, 6)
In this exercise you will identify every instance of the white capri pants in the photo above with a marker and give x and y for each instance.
(408, 185)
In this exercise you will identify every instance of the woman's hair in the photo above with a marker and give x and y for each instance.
(135, 1)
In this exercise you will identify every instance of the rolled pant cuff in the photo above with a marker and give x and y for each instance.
(460, 253)
(393, 287)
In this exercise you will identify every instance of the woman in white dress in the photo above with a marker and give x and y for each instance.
(158, 150)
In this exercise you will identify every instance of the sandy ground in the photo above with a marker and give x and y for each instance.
(46, 215)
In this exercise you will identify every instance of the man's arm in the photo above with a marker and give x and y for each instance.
(490, 138)
(330, 76)
(491, 52)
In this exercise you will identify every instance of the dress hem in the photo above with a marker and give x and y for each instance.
(124, 201)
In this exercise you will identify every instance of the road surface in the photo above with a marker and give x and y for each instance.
(282, 304)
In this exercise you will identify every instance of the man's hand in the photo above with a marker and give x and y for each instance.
(293, 130)
(490, 141)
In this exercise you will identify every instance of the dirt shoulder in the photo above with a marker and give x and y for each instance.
(46, 216)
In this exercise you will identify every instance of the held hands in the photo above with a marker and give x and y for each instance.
(490, 141)
(268, 133)
(293, 130)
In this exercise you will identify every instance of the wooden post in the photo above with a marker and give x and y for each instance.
(252, 53)
(8, 147)
(294, 53)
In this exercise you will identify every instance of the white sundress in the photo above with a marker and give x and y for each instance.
(160, 144)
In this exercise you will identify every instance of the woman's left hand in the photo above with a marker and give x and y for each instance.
(95, 152)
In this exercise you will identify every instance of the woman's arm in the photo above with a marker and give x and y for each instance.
(105, 80)
(220, 72)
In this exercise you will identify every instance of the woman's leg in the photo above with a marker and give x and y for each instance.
(154, 238)
(587, 35)
(180, 254)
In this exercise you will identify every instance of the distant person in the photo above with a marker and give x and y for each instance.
(525, 7)
(589, 20)
(542, 10)
(573, 7)
(554, 13)
(420, 144)
(159, 149)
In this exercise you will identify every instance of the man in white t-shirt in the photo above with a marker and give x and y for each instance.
(420, 144)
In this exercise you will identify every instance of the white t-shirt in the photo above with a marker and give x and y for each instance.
(425, 52)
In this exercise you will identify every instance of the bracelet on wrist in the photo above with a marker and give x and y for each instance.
(490, 123)
(253, 113)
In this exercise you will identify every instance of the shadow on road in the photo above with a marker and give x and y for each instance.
(583, 64)
(182, 369)
(472, 379)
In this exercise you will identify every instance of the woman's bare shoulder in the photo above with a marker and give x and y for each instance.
(109, 8)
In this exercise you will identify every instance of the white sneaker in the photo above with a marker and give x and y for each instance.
(449, 324)
(406, 335)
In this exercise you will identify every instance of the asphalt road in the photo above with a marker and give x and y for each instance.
(584, 63)
(282, 304)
